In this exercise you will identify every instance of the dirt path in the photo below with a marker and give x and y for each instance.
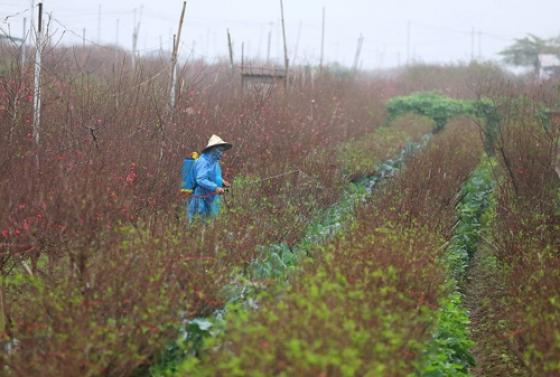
(494, 357)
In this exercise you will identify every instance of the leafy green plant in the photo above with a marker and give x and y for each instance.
(448, 353)
(474, 196)
(428, 104)
(441, 109)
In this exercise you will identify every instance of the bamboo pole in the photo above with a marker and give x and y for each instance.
(322, 42)
(176, 43)
(230, 49)
(37, 79)
(286, 58)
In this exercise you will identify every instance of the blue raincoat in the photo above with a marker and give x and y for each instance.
(207, 173)
(217, 203)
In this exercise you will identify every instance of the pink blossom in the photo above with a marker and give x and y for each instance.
(131, 176)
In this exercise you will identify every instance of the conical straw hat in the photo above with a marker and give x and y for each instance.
(216, 141)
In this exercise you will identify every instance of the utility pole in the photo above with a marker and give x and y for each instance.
(176, 43)
(242, 67)
(99, 24)
(32, 19)
(242, 56)
(297, 42)
(135, 33)
(269, 45)
(22, 67)
(135, 39)
(192, 53)
(31, 23)
(322, 42)
(358, 52)
(37, 80)
(408, 43)
(472, 44)
(23, 44)
(84, 37)
(230, 48)
(207, 44)
(286, 58)
(117, 32)
(479, 44)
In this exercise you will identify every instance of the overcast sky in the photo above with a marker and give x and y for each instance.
(440, 30)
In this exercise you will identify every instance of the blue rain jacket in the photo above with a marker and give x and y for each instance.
(217, 203)
(208, 176)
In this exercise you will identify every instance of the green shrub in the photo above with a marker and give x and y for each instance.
(441, 109)
(428, 104)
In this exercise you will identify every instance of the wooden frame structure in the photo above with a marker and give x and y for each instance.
(263, 79)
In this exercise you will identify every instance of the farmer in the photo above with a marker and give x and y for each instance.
(209, 183)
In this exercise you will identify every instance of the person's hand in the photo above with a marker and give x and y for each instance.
(220, 191)
(184, 194)
(226, 183)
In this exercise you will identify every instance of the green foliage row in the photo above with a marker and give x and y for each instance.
(475, 196)
(429, 104)
(441, 109)
(448, 354)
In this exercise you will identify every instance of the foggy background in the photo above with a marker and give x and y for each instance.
(397, 31)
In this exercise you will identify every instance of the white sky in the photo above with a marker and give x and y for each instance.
(441, 30)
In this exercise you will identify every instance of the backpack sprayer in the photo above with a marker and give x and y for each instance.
(189, 182)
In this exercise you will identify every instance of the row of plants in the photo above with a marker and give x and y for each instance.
(519, 315)
(105, 304)
(441, 109)
(276, 262)
(364, 304)
(449, 351)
